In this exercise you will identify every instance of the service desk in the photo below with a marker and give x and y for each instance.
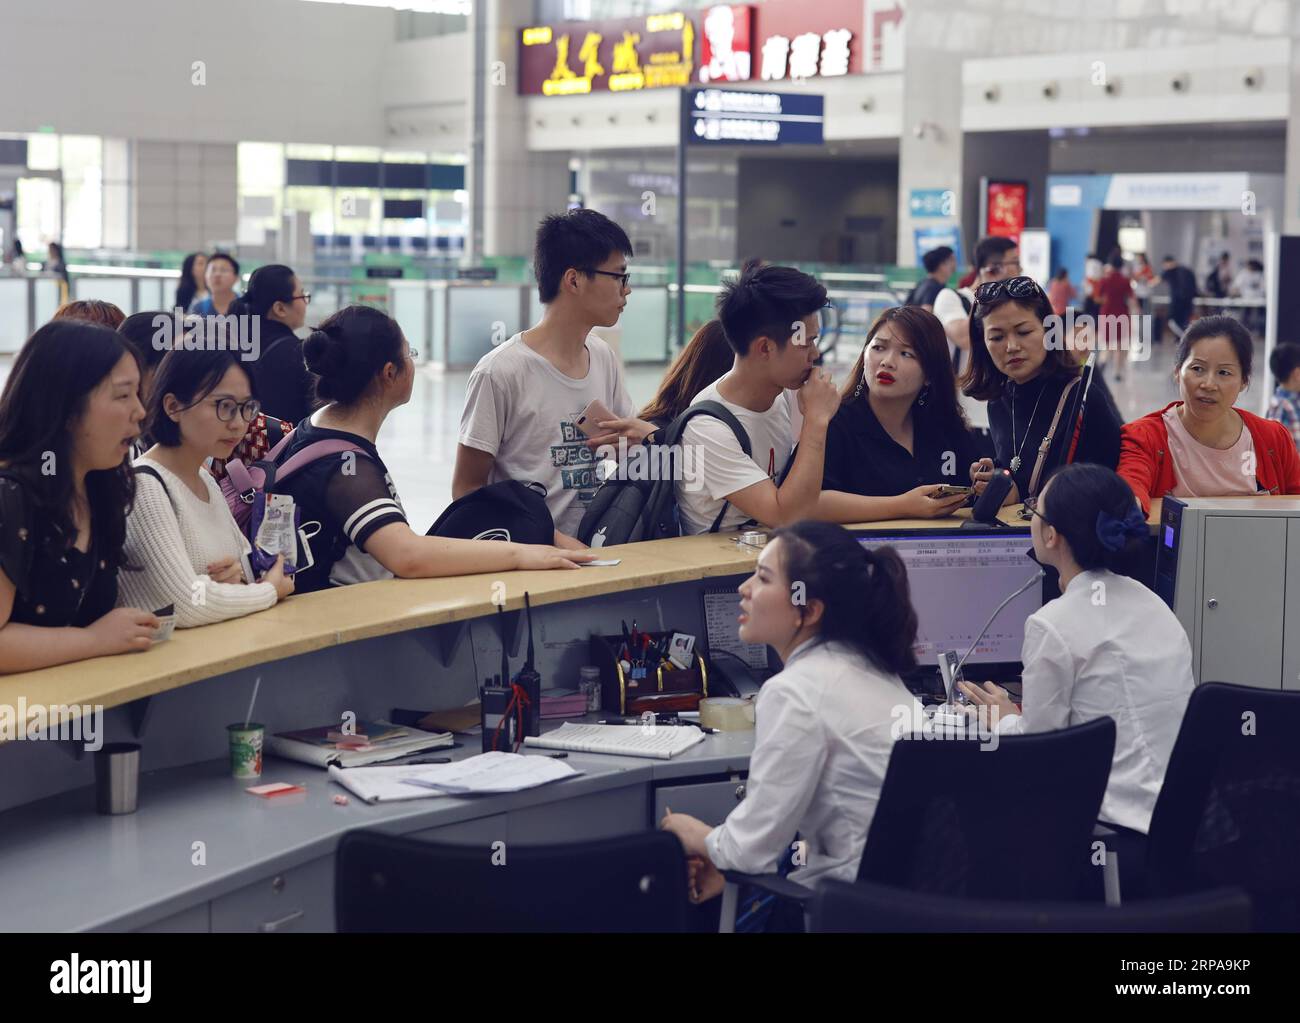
(202, 854)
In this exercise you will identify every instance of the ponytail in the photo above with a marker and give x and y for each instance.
(865, 599)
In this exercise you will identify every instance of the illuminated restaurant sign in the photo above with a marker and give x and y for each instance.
(778, 41)
(653, 52)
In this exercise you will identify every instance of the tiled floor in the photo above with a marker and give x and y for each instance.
(419, 440)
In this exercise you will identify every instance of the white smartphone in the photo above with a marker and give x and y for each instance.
(594, 414)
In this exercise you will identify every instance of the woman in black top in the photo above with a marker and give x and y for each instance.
(349, 506)
(1021, 364)
(69, 412)
(899, 433)
(280, 378)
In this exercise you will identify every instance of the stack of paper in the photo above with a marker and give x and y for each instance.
(659, 741)
(478, 775)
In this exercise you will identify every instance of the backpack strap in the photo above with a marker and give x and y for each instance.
(311, 453)
(149, 470)
(717, 411)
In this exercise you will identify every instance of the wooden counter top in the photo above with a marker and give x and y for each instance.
(310, 622)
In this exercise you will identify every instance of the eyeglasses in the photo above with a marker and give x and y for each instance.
(1014, 287)
(622, 278)
(227, 407)
(305, 296)
(1030, 508)
(414, 353)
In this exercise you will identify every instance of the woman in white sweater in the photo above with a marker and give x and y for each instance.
(182, 545)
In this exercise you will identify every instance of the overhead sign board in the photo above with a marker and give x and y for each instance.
(735, 117)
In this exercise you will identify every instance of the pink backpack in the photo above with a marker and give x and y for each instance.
(244, 486)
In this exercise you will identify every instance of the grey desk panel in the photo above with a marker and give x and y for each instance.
(66, 868)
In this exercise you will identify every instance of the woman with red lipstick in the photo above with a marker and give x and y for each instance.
(1203, 446)
(68, 415)
(180, 534)
(1022, 365)
(899, 433)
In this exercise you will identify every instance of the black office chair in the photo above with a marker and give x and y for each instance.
(1229, 810)
(956, 819)
(840, 908)
(388, 883)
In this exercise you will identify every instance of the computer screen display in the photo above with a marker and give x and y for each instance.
(956, 580)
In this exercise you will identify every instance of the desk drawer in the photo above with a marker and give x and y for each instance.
(300, 899)
(710, 801)
(188, 921)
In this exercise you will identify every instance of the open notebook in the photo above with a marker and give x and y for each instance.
(661, 741)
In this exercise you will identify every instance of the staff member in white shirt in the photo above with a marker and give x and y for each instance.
(1108, 646)
(841, 619)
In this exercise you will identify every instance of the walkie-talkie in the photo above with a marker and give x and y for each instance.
(499, 728)
(531, 681)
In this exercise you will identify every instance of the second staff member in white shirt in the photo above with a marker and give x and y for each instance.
(1108, 646)
(823, 737)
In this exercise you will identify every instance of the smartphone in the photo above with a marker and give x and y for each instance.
(951, 491)
(594, 414)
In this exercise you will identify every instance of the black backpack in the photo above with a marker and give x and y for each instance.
(511, 511)
(627, 510)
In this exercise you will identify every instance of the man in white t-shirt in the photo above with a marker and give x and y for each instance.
(770, 318)
(996, 258)
(523, 398)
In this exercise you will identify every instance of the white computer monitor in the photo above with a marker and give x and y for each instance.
(957, 579)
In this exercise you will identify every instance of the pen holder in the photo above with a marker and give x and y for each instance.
(660, 688)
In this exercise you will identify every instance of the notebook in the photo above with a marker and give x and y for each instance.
(661, 741)
(373, 742)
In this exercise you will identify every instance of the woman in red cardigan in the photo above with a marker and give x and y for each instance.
(1202, 446)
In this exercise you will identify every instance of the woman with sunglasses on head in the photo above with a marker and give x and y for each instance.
(280, 378)
(1108, 646)
(899, 433)
(1022, 365)
(181, 539)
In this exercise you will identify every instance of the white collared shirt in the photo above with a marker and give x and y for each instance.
(1109, 646)
(824, 734)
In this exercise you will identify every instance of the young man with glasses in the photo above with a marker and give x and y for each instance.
(996, 258)
(524, 397)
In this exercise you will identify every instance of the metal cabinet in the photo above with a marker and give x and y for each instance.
(1241, 612)
(710, 801)
(299, 899)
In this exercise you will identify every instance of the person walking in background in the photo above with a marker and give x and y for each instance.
(1219, 279)
(222, 277)
(1182, 295)
(57, 264)
(192, 288)
(1284, 406)
(940, 264)
(1061, 292)
(1117, 333)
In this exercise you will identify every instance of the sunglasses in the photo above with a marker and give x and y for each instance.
(1012, 287)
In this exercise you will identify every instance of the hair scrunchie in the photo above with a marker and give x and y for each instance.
(1114, 532)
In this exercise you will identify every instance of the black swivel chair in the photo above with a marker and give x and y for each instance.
(1229, 810)
(864, 907)
(388, 883)
(1011, 823)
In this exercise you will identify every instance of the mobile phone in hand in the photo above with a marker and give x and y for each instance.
(592, 416)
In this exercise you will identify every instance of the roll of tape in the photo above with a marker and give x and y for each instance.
(753, 538)
(726, 713)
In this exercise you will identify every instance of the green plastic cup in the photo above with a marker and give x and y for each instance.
(246, 750)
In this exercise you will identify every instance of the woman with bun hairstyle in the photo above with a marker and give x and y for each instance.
(899, 433)
(68, 415)
(1107, 647)
(349, 506)
(1203, 445)
(825, 723)
(280, 380)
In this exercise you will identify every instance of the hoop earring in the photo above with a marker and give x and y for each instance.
(924, 396)
(857, 391)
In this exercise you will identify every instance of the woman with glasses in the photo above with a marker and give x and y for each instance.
(280, 378)
(1044, 410)
(1108, 646)
(183, 547)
